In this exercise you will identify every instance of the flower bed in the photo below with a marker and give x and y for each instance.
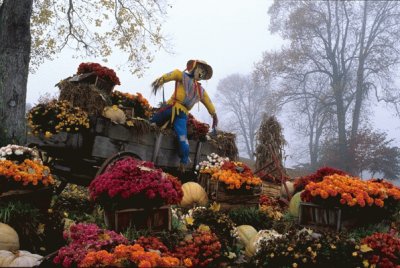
(136, 184)
(56, 116)
(84, 238)
(351, 191)
(380, 250)
(101, 71)
(21, 168)
(18, 153)
(140, 105)
(128, 256)
(196, 129)
(304, 248)
(301, 182)
(234, 175)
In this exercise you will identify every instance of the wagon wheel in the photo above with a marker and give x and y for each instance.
(49, 162)
(114, 158)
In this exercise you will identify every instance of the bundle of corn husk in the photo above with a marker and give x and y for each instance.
(225, 143)
(83, 95)
(270, 141)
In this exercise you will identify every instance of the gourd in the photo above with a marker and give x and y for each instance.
(20, 258)
(115, 114)
(9, 239)
(295, 204)
(193, 194)
(290, 186)
(246, 232)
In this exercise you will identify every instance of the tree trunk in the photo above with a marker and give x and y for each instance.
(15, 48)
(341, 118)
(360, 78)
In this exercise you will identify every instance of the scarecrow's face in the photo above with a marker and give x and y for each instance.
(199, 72)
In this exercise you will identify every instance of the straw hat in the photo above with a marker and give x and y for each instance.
(191, 64)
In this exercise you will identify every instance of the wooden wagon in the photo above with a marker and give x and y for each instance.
(79, 157)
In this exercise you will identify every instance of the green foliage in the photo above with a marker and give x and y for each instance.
(220, 224)
(171, 238)
(250, 216)
(286, 223)
(131, 233)
(74, 201)
(16, 212)
(359, 233)
(39, 231)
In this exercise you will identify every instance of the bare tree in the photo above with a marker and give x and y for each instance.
(352, 45)
(243, 102)
(39, 29)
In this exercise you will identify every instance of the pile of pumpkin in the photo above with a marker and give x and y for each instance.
(10, 255)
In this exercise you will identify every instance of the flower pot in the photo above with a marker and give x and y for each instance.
(229, 198)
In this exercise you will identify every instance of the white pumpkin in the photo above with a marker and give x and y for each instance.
(19, 258)
(290, 186)
(9, 239)
(245, 233)
(115, 114)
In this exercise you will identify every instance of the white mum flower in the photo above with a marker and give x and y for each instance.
(18, 152)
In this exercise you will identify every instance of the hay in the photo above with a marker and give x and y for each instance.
(225, 143)
(85, 96)
(270, 142)
(142, 126)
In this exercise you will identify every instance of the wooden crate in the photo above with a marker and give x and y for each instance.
(320, 216)
(228, 199)
(151, 219)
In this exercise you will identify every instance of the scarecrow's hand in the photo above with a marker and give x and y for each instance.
(157, 84)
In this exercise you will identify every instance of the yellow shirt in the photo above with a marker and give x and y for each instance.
(187, 93)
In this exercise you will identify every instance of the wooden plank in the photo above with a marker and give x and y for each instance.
(228, 200)
(145, 152)
(120, 132)
(157, 148)
(104, 147)
(320, 216)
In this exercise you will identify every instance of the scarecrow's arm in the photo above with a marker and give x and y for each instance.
(207, 102)
(175, 75)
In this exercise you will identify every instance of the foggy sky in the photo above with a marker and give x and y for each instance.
(229, 35)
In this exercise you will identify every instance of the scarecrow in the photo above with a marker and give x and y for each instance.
(188, 92)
